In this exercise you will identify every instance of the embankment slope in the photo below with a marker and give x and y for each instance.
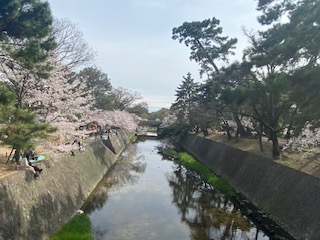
(35, 208)
(288, 196)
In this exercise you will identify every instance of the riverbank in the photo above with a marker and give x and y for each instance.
(36, 208)
(287, 196)
(307, 160)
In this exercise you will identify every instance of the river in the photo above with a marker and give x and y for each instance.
(146, 196)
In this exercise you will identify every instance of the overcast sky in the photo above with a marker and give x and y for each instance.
(133, 38)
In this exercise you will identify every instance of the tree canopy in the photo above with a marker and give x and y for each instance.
(205, 41)
(41, 86)
(99, 83)
(25, 31)
(272, 91)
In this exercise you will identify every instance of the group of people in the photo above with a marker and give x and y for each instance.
(34, 169)
(80, 145)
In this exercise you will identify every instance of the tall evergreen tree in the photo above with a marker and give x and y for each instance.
(206, 43)
(283, 65)
(19, 127)
(25, 33)
(184, 104)
(100, 86)
(207, 47)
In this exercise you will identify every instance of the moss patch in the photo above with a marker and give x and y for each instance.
(78, 228)
(170, 152)
(189, 162)
(133, 138)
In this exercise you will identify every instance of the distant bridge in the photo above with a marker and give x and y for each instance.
(149, 128)
(147, 134)
(150, 123)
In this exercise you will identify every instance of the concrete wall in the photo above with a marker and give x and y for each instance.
(289, 197)
(35, 208)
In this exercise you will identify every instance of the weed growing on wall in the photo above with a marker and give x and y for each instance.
(190, 163)
(79, 227)
(133, 138)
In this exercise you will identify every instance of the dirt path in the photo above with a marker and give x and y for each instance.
(8, 168)
(5, 169)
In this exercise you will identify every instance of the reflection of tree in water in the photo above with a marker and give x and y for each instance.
(208, 213)
(127, 170)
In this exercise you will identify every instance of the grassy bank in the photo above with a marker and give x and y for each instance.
(170, 153)
(133, 138)
(78, 228)
(190, 163)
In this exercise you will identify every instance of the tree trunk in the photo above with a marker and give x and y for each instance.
(260, 143)
(237, 135)
(229, 133)
(257, 234)
(288, 133)
(205, 131)
(260, 137)
(275, 144)
(227, 129)
(240, 129)
(17, 155)
(10, 155)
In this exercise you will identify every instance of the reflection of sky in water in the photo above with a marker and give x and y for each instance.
(147, 201)
(143, 209)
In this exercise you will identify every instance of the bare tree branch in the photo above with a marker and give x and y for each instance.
(72, 50)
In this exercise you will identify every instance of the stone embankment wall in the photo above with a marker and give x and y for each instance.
(289, 197)
(36, 208)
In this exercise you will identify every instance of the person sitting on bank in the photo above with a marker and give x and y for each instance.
(72, 153)
(38, 170)
(81, 148)
(26, 166)
(33, 155)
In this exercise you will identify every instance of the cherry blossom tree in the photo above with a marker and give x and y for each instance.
(64, 101)
(63, 97)
(18, 79)
(124, 120)
(309, 138)
(116, 118)
(168, 121)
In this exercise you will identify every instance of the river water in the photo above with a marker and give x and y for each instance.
(147, 197)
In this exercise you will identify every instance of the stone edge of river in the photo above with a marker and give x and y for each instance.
(287, 196)
(36, 208)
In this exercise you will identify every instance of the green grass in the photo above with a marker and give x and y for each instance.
(170, 152)
(152, 130)
(78, 228)
(190, 163)
(133, 138)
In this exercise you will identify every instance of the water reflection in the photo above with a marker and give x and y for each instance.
(148, 197)
(208, 213)
(126, 171)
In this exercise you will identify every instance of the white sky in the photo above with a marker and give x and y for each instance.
(133, 38)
